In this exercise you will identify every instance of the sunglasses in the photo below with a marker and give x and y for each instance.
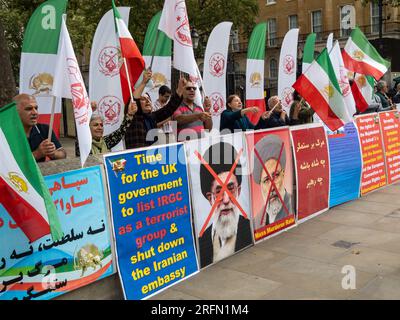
(191, 88)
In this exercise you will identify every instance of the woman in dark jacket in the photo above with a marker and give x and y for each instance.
(234, 117)
(146, 120)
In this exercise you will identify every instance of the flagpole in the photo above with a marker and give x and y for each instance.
(129, 79)
(53, 107)
(154, 49)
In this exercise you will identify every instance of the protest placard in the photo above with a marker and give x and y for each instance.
(45, 268)
(151, 213)
(311, 154)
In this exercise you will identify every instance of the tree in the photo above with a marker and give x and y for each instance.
(7, 82)
(84, 15)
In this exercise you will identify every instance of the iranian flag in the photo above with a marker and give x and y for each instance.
(161, 67)
(255, 71)
(23, 192)
(308, 53)
(133, 62)
(363, 91)
(38, 58)
(360, 56)
(320, 88)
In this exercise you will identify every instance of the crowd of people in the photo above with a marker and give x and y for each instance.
(174, 117)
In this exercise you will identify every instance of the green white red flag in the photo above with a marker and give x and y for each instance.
(38, 58)
(360, 56)
(133, 64)
(255, 71)
(363, 91)
(23, 192)
(320, 88)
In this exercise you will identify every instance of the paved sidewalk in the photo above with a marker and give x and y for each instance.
(304, 262)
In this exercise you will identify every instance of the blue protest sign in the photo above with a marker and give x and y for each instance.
(346, 165)
(151, 213)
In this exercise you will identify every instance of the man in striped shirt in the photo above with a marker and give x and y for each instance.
(190, 117)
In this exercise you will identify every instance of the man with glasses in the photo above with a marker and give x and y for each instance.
(272, 152)
(191, 118)
(229, 231)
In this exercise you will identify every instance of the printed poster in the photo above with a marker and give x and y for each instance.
(271, 181)
(346, 164)
(390, 129)
(374, 171)
(151, 212)
(221, 197)
(311, 156)
(45, 268)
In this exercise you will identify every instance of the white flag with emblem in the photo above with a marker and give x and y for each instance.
(288, 68)
(214, 75)
(104, 80)
(68, 83)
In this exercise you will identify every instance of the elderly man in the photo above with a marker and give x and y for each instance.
(269, 150)
(382, 90)
(278, 116)
(229, 231)
(37, 133)
(191, 118)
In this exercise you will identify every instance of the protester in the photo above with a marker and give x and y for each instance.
(104, 144)
(166, 130)
(191, 119)
(396, 97)
(230, 231)
(300, 112)
(145, 120)
(37, 133)
(382, 90)
(277, 116)
(234, 117)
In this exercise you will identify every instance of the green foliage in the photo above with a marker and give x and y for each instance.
(393, 3)
(84, 15)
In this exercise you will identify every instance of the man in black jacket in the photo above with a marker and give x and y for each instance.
(229, 231)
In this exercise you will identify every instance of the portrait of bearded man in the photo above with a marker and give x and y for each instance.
(274, 161)
(229, 231)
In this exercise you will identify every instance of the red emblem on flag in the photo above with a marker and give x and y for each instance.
(217, 103)
(217, 64)
(80, 99)
(182, 32)
(288, 64)
(287, 97)
(110, 61)
(344, 82)
(110, 108)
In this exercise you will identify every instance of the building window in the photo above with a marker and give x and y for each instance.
(273, 69)
(271, 2)
(293, 21)
(271, 32)
(374, 17)
(235, 40)
(316, 23)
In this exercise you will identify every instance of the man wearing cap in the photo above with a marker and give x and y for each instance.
(229, 231)
(269, 149)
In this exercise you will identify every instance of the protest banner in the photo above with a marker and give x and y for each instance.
(45, 269)
(374, 171)
(271, 181)
(311, 156)
(151, 213)
(220, 192)
(345, 165)
(390, 129)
